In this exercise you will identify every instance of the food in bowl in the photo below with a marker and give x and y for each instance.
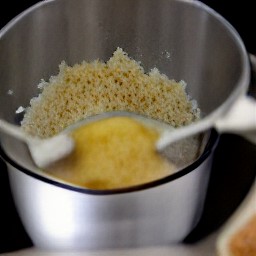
(112, 153)
(243, 241)
(115, 152)
(238, 235)
(88, 89)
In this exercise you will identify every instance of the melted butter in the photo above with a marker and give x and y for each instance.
(113, 153)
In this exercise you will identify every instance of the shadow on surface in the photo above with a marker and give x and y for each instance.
(233, 173)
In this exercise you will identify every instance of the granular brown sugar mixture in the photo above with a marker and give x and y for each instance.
(87, 89)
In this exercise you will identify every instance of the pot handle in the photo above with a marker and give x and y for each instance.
(241, 118)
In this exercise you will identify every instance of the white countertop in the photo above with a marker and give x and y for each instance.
(204, 248)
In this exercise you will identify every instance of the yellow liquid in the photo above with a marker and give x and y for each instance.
(113, 153)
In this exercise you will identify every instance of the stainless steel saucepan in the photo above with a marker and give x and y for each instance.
(184, 39)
